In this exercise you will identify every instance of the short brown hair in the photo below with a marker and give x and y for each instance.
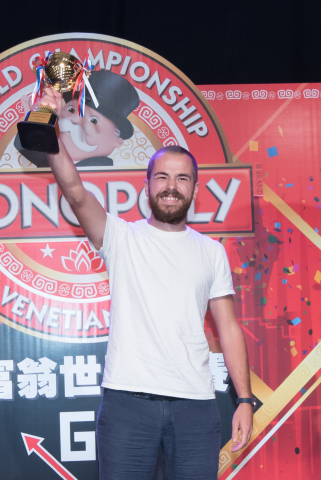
(174, 150)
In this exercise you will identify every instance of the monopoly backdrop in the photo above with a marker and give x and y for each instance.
(258, 149)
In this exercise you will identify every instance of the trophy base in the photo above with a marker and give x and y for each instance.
(39, 131)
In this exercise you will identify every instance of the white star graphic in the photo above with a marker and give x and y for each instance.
(47, 251)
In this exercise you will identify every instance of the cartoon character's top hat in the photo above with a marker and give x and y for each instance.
(116, 96)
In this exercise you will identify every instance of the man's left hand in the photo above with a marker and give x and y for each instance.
(242, 420)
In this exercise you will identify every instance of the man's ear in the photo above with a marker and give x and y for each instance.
(196, 187)
(146, 188)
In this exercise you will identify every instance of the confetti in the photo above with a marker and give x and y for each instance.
(272, 239)
(294, 351)
(254, 146)
(289, 185)
(311, 179)
(284, 281)
(238, 270)
(296, 321)
(280, 131)
(296, 267)
(317, 276)
(303, 390)
(266, 175)
(263, 301)
(272, 152)
(310, 331)
(297, 450)
(310, 187)
(277, 225)
(317, 199)
(234, 466)
(246, 264)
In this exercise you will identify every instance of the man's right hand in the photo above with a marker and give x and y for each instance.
(51, 98)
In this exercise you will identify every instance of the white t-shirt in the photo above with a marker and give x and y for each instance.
(160, 284)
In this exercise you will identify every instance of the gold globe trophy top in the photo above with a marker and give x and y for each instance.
(62, 71)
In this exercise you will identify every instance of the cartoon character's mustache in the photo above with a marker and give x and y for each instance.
(77, 133)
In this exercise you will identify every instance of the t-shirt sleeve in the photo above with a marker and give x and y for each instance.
(114, 230)
(222, 283)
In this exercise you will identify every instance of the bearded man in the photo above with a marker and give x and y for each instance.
(158, 389)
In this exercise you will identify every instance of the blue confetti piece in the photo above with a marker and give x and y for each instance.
(303, 390)
(266, 271)
(284, 281)
(246, 264)
(277, 225)
(272, 152)
(317, 199)
(258, 276)
(296, 321)
(264, 259)
(311, 179)
(289, 185)
(289, 230)
(316, 230)
(305, 352)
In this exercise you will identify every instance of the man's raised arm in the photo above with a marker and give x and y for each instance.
(89, 212)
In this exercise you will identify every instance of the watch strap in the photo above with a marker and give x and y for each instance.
(250, 400)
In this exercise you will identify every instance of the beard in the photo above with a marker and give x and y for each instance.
(171, 214)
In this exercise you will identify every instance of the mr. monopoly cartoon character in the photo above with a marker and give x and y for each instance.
(90, 140)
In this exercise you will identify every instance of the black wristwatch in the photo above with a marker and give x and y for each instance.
(251, 400)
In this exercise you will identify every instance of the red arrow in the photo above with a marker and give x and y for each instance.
(32, 444)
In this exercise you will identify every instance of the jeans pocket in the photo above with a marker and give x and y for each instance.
(101, 416)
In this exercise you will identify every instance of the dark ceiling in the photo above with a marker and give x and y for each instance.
(212, 42)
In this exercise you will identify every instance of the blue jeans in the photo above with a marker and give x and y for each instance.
(130, 430)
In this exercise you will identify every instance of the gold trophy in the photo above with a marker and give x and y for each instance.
(40, 130)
